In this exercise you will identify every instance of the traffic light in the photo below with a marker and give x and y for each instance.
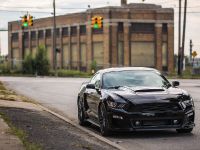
(30, 20)
(24, 21)
(100, 22)
(95, 22)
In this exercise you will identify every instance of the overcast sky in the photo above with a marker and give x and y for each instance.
(11, 10)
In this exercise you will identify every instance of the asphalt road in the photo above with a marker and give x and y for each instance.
(60, 95)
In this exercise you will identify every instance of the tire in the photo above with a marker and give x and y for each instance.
(184, 130)
(103, 120)
(81, 113)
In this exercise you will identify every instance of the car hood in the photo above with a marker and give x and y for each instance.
(139, 95)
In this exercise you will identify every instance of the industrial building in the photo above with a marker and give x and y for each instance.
(135, 34)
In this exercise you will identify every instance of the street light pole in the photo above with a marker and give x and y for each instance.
(179, 40)
(183, 39)
(54, 38)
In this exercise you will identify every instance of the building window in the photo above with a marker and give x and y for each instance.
(120, 27)
(40, 34)
(73, 31)
(57, 32)
(65, 31)
(83, 29)
(143, 54)
(48, 33)
(164, 57)
(98, 54)
(164, 28)
(15, 37)
(25, 35)
(33, 35)
(142, 27)
(120, 53)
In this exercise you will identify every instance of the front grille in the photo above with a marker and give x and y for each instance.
(155, 107)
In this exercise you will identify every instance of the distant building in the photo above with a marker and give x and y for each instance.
(132, 35)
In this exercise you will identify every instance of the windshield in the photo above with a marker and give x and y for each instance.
(134, 78)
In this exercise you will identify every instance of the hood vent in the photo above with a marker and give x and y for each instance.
(149, 90)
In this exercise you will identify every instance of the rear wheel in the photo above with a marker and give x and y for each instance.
(81, 113)
(184, 130)
(103, 120)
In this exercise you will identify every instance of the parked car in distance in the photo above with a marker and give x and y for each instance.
(134, 98)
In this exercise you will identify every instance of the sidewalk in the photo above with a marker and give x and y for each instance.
(7, 140)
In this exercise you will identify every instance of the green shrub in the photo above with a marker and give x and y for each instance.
(42, 65)
(4, 68)
(69, 73)
(28, 65)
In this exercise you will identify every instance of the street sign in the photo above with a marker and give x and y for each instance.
(194, 54)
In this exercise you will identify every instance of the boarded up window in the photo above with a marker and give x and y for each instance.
(121, 53)
(143, 54)
(49, 54)
(34, 51)
(98, 53)
(120, 27)
(66, 58)
(33, 35)
(15, 52)
(40, 34)
(15, 37)
(83, 54)
(26, 35)
(48, 33)
(83, 29)
(65, 31)
(73, 31)
(164, 56)
(26, 52)
(74, 51)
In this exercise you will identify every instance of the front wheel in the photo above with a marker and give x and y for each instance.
(103, 120)
(184, 130)
(81, 113)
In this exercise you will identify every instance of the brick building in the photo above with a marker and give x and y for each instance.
(132, 35)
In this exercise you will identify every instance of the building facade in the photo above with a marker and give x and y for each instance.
(132, 35)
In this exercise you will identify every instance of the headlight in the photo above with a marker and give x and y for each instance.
(116, 105)
(187, 103)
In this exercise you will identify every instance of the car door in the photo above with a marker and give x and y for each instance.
(93, 98)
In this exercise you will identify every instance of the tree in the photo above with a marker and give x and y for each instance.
(28, 65)
(41, 61)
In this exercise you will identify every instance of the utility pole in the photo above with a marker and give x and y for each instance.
(179, 40)
(191, 45)
(54, 38)
(184, 29)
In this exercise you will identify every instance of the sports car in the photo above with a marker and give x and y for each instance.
(132, 99)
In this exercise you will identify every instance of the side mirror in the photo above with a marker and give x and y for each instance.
(175, 83)
(97, 85)
(90, 86)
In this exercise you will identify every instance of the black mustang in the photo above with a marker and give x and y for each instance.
(134, 98)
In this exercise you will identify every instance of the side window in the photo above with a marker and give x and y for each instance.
(95, 78)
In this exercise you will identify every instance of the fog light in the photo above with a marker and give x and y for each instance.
(175, 121)
(117, 117)
(137, 123)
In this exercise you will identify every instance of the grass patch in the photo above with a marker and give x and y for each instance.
(9, 95)
(20, 134)
(186, 74)
(70, 73)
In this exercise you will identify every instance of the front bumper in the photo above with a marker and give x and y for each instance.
(121, 120)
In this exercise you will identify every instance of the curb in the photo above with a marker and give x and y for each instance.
(113, 144)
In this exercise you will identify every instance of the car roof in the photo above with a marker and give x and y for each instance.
(127, 68)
